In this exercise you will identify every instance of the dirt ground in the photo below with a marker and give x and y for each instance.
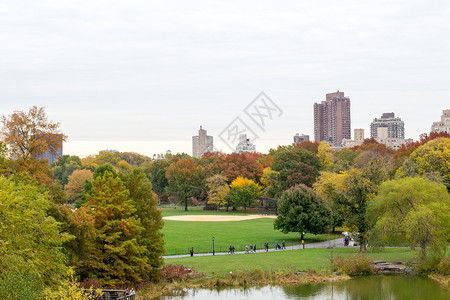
(215, 218)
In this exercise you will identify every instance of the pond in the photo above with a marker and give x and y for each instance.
(361, 288)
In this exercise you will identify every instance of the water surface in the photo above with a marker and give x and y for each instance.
(360, 288)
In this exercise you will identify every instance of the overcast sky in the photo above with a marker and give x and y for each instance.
(143, 76)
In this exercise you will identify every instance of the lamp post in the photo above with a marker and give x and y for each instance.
(213, 246)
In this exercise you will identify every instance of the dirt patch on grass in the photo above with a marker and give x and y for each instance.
(216, 218)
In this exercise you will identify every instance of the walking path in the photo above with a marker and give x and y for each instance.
(335, 243)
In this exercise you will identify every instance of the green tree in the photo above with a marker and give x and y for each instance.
(359, 191)
(30, 241)
(244, 192)
(295, 166)
(413, 210)
(301, 210)
(75, 187)
(64, 167)
(101, 170)
(185, 180)
(116, 257)
(158, 177)
(144, 200)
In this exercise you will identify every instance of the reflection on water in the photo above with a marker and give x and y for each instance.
(361, 288)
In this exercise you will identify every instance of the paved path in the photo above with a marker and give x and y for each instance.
(336, 243)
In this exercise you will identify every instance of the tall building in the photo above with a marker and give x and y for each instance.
(395, 126)
(245, 145)
(444, 124)
(202, 143)
(54, 153)
(300, 138)
(332, 119)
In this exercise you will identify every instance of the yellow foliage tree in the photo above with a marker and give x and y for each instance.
(218, 190)
(68, 289)
(325, 154)
(75, 187)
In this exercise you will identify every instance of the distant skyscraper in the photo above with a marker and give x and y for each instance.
(245, 145)
(201, 143)
(444, 124)
(300, 138)
(332, 119)
(395, 126)
(359, 134)
(54, 153)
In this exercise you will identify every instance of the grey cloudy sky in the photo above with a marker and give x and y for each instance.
(144, 75)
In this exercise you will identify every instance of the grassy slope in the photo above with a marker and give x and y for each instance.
(317, 259)
(181, 235)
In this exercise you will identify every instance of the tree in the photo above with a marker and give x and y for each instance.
(64, 167)
(185, 179)
(236, 165)
(413, 210)
(301, 210)
(359, 191)
(331, 187)
(325, 154)
(434, 156)
(144, 200)
(75, 187)
(29, 136)
(116, 258)
(218, 190)
(158, 177)
(244, 192)
(272, 183)
(30, 244)
(295, 166)
(101, 170)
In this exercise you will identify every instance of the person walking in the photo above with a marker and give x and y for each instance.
(276, 245)
(192, 251)
(284, 245)
(246, 248)
(254, 248)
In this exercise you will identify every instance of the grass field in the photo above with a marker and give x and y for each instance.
(180, 236)
(308, 259)
(198, 210)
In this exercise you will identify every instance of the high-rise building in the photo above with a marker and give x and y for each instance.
(300, 138)
(202, 143)
(245, 145)
(332, 119)
(55, 152)
(444, 124)
(395, 126)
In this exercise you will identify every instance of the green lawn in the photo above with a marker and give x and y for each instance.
(304, 260)
(198, 210)
(179, 236)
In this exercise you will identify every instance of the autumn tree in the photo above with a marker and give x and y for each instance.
(244, 192)
(331, 187)
(145, 203)
(29, 136)
(218, 190)
(236, 165)
(271, 181)
(432, 157)
(75, 187)
(185, 179)
(117, 258)
(325, 155)
(301, 210)
(413, 210)
(295, 166)
(30, 242)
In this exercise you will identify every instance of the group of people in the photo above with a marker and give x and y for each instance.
(231, 249)
(252, 248)
(283, 245)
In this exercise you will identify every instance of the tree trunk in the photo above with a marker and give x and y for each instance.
(185, 205)
(362, 244)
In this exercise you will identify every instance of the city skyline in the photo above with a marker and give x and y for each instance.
(141, 76)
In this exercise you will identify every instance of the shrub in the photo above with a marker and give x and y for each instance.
(443, 267)
(176, 272)
(359, 264)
